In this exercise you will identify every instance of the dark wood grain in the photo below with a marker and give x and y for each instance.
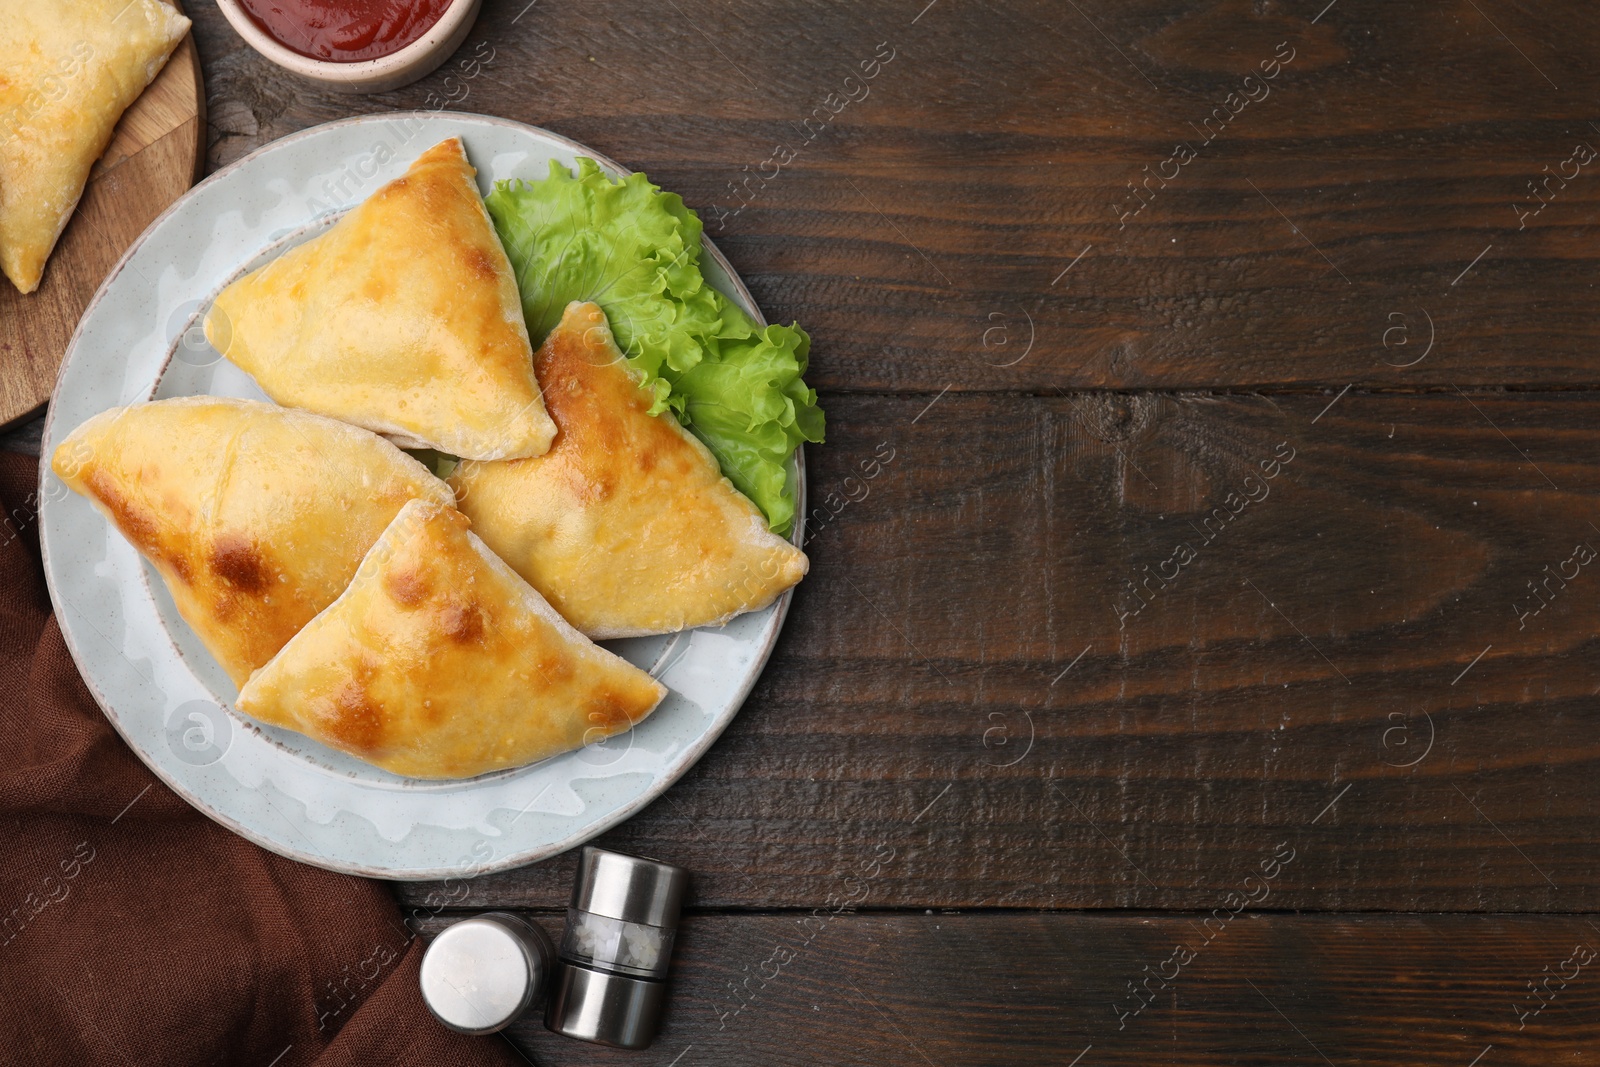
(921, 234)
(1031, 401)
(1004, 989)
(1319, 642)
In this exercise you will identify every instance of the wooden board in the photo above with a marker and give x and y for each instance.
(1320, 641)
(155, 154)
(922, 236)
(909, 715)
(1007, 989)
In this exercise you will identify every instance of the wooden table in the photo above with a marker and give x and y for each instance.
(1207, 674)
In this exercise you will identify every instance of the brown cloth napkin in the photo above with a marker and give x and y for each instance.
(134, 930)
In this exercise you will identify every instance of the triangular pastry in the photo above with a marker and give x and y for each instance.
(404, 318)
(439, 662)
(68, 70)
(257, 516)
(626, 525)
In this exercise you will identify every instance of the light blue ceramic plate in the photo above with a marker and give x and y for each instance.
(140, 339)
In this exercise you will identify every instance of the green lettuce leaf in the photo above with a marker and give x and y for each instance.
(635, 251)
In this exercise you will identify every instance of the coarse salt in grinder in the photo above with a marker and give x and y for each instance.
(479, 975)
(612, 986)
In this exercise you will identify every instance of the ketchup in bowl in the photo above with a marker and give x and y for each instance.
(345, 31)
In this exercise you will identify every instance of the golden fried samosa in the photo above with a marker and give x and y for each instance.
(626, 525)
(439, 662)
(257, 516)
(403, 318)
(68, 70)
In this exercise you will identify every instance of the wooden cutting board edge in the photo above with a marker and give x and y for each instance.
(156, 153)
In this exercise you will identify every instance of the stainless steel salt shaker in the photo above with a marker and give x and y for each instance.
(481, 974)
(611, 985)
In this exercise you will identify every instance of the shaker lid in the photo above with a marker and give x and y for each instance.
(629, 888)
(482, 973)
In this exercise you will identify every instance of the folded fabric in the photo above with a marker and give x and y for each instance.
(135, 930)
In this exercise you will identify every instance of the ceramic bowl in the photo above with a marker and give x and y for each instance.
(416, 60)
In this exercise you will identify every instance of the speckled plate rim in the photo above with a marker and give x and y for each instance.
(732, 285)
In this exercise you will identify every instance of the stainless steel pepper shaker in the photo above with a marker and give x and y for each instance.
(481, 974)
(611, 985)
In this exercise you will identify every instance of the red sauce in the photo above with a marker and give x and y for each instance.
(345, 31)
